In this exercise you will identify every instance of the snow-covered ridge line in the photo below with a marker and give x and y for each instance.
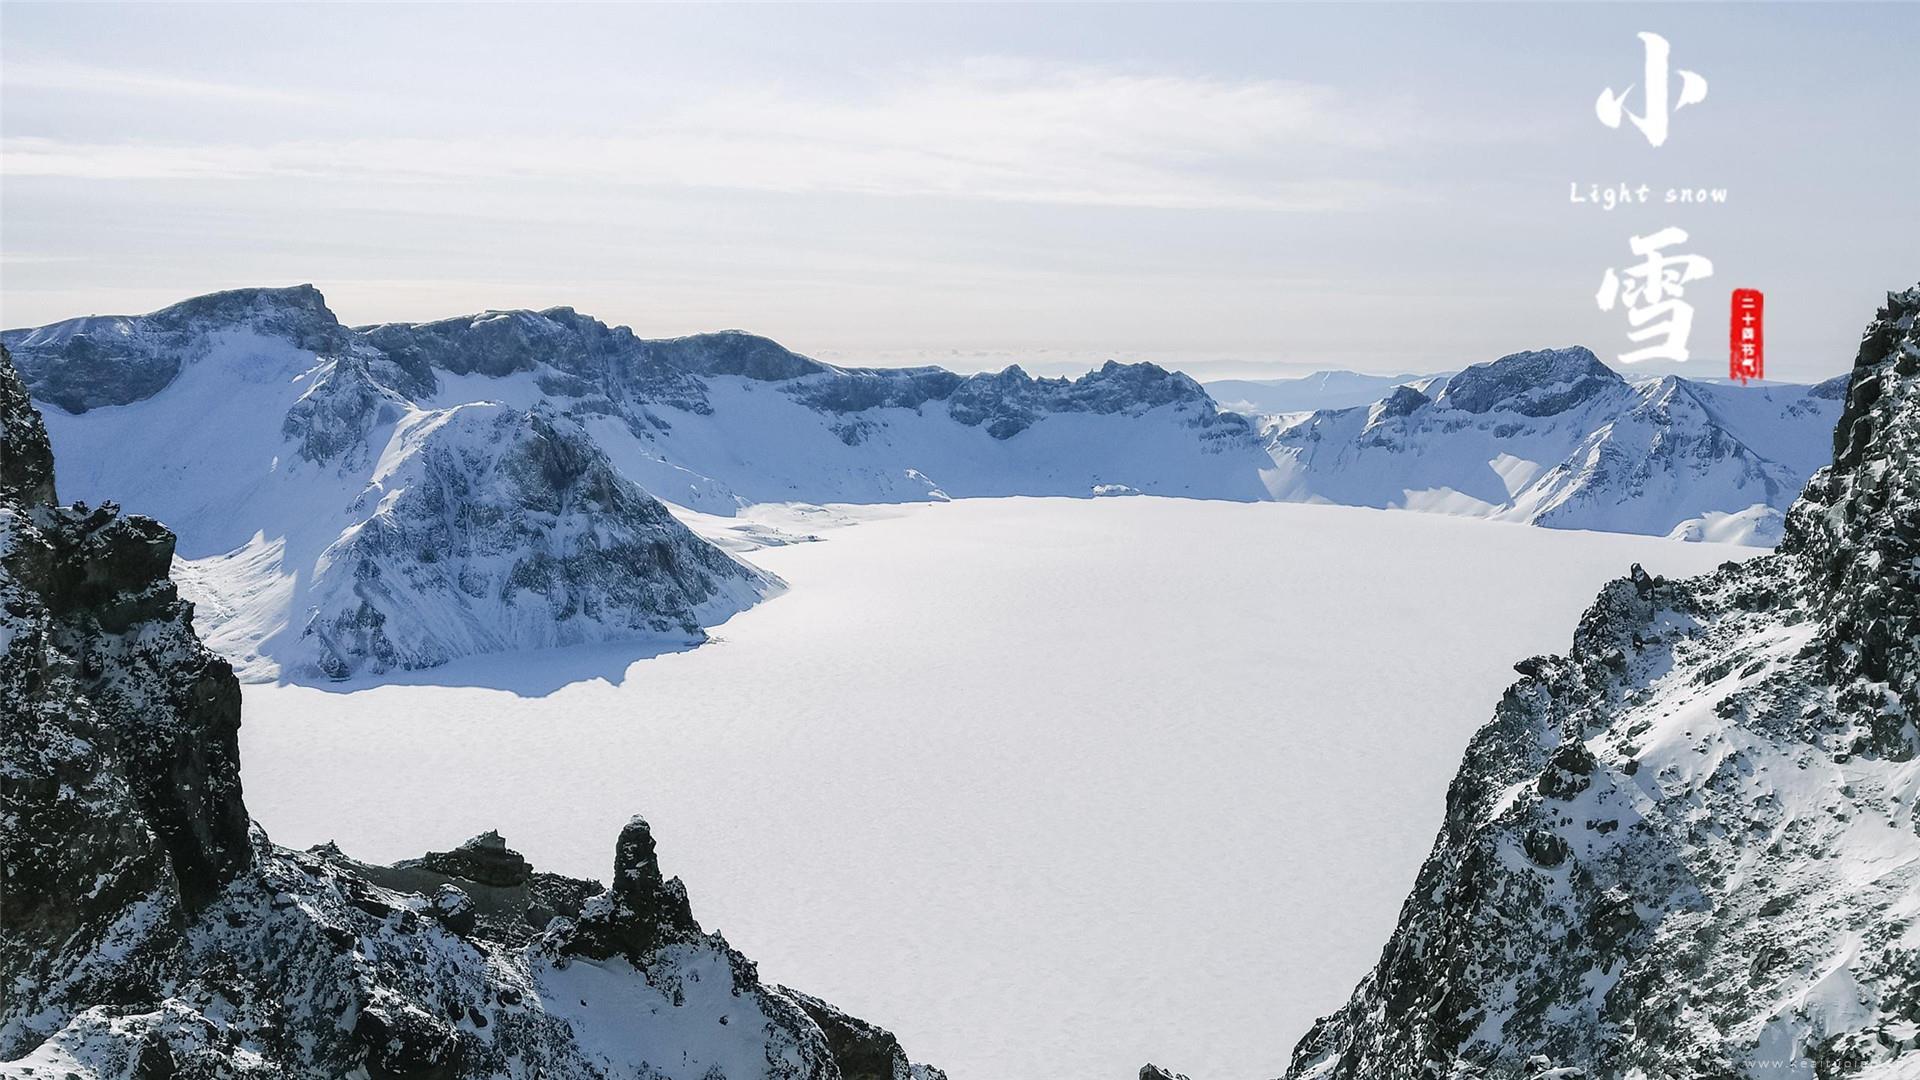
(73, 364)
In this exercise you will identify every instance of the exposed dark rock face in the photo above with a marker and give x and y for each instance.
(865, 1052)
(1404, 401)
(26, 458)
(147, 930)
(1688, 848)
(122, 782)
(642, 911)
(1856, 531)
(485, 859)
(1537, 383)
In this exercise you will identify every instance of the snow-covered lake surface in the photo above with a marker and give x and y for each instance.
(1049, 787)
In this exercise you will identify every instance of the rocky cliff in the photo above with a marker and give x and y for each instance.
(1689, 847)
(147, 930)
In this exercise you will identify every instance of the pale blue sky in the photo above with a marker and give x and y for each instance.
(1231, 189)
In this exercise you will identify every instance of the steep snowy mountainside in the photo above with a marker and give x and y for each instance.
(1557, 438)
(1691, 846)
(1307, 393)
(520, 518)
(148, 929)
(336, 525)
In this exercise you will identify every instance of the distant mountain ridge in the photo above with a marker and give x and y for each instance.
(1557, 438)
(355, 500)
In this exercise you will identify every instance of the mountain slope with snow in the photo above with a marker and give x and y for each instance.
(1557, 438)
(149, 929)
(1691, 845)
(337, 526)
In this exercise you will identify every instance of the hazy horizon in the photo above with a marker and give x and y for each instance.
(1238, 192)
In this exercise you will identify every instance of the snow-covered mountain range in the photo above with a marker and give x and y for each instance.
(1557, 438)
(354, 500)
(1690, 847)
(364, 499)
(152, 930)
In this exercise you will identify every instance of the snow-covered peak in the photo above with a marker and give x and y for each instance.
(1537, 383)
(98, 361)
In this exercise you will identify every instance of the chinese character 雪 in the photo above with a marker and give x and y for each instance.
(1651, 290)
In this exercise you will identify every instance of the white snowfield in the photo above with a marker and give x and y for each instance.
(1048, 787)
(387, 498)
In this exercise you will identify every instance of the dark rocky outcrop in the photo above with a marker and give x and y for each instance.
(640, 912)
(122, 782)
(485, 859)
(1688, 847)
(148, 930)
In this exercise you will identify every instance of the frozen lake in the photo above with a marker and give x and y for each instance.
(1048, 787)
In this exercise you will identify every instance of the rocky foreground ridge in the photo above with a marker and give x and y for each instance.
(149, 930)
(1689, 847)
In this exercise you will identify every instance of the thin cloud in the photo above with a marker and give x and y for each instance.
(1002, 131)
(93, 79)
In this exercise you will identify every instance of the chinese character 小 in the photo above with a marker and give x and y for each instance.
(1653, 123)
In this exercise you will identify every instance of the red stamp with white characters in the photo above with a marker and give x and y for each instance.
(1747, 340)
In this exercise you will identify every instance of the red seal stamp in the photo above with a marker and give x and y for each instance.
(1746, 336)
